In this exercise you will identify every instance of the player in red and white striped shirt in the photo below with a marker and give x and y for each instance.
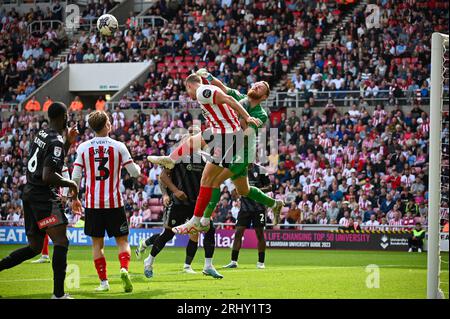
(101, 160)
(221, 113)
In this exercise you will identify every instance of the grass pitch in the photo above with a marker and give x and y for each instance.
(297, 274)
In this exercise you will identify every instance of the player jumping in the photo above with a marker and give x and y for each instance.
(237, 169)
(180, 187)
(224, 130)
(101, 159)
(43, 209)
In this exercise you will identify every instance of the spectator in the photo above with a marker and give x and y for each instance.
(33, 105)
(47, 103)
(100, 104)
(372, 223)
(136, 219)
(76, 104)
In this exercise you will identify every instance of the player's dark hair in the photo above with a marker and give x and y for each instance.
(97, 120)
(56, 110)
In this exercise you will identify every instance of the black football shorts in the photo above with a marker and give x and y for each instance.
(248, 219)
(113, 221)
(176, 215)
(41, 215)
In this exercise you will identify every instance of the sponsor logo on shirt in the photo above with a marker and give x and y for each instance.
(49, 221)
(57, 151)
(207, 93)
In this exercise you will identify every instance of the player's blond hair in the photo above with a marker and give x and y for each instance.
(97, 120)
(267, 87)
(193, 78)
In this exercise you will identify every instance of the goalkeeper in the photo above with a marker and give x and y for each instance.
(238, 170)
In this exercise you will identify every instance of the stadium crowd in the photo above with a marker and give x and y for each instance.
(389, 60)
(241, 43)
(28, 52)
(352, 170)
(27, 55)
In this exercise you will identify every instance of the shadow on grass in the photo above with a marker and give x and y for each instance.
(141, 294)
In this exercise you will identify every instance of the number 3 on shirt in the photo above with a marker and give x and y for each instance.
(104, 171)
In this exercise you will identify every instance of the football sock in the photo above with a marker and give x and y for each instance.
(124, 259)
(208, 263)
(204, 196)
(191, 249)
(45, 247)
(234, 255)
(100, 265)
(209, 242)
(149, 260)
(151, 240)
(215, 197)
(161, 241)
(258, 196)
(59, 265)
(261, 257)
(17, 257)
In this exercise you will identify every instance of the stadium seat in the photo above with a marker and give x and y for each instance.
(154, 201)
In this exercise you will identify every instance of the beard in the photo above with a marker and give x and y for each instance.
(252, 94)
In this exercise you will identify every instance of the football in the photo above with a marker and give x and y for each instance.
(107, 24)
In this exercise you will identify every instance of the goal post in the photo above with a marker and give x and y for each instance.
(439, 69)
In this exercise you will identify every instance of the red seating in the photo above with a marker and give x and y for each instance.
(154, 201)
(156, 209)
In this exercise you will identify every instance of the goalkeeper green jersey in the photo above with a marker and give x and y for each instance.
(256, 111)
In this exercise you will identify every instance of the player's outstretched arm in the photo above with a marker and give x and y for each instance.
(222, 98)
(212, 80)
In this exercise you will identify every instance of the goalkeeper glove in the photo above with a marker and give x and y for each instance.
(205, 74)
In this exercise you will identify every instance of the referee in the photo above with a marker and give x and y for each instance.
(180, 187)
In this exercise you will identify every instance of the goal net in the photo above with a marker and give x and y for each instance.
(439, 161)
